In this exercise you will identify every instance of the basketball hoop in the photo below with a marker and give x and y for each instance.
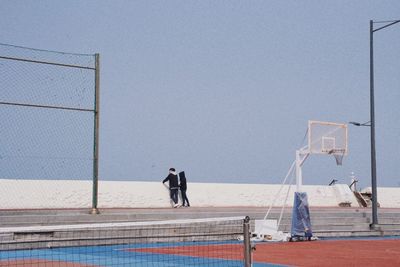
(338, 154)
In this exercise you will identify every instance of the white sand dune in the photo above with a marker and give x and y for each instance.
(39, 194)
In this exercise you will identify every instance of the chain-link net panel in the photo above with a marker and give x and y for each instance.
(40, 82)
(55, 57)
(39, 143)
(47, 102)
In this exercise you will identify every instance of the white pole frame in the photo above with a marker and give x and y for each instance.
(301, 156)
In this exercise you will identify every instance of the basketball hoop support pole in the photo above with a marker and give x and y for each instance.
(301, 156)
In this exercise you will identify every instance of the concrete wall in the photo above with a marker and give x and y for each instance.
(23, 194)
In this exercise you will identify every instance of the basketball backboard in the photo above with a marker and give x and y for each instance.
(327, 138)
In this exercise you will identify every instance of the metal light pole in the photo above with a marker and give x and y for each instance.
(374, 223)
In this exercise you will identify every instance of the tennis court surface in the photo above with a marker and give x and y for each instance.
(187, 242)
(349, 252)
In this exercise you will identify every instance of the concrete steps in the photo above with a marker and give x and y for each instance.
(326, 222)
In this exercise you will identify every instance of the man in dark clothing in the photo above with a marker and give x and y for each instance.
(173, 186)
(183, 187)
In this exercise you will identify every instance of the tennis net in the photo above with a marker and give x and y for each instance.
(190, 242)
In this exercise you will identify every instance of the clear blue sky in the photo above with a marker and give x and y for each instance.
(224, 89)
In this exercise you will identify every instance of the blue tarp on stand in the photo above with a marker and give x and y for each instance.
(301, 221)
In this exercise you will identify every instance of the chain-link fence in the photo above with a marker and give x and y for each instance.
(49, 117)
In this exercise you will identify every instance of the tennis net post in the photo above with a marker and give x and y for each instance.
(246, 242)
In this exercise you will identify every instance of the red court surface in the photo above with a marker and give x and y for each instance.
(315, 253)
(331, 253)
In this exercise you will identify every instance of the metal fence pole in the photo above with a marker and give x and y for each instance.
(246, 241)
(96, 136)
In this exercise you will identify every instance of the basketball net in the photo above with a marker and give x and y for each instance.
(338, 154)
